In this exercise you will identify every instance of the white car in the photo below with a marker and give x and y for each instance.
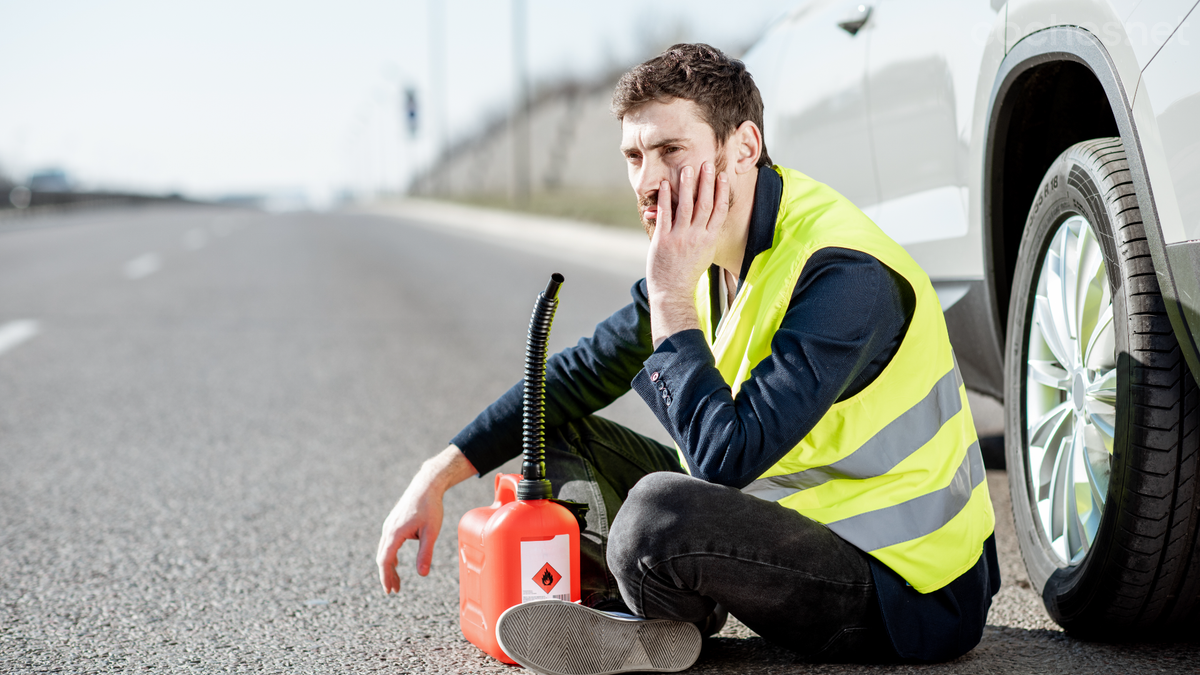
(1041, 160)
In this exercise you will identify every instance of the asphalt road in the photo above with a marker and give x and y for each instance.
(206, 414)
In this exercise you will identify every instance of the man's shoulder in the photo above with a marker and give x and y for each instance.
(849, 273)
(813, 216)
(847, 262)
(802, 191)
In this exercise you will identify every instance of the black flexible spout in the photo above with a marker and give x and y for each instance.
(533, 483)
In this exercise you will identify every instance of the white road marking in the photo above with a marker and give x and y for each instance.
(195, 239)
(143, 266)
(14, 333)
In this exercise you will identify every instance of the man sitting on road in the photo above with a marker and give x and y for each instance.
(836, 502)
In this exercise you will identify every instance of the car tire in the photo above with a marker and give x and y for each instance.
(1102, 444)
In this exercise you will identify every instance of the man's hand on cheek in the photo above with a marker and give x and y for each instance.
(683, 246)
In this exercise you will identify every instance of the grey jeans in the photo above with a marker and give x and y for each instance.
(670, 546)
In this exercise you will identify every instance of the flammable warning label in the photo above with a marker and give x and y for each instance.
(545, 568)
(547, 578)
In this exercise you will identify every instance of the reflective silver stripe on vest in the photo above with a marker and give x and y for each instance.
(917, 517)
(882, 452)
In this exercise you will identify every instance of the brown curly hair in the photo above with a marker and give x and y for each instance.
(720, 86)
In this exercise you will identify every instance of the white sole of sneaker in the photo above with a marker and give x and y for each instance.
(561, 638)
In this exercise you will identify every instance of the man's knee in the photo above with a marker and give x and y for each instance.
(662, 508)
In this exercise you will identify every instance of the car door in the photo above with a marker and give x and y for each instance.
(811, 73)
(921, 79)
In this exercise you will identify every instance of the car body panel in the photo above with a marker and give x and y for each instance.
(1150, 24)
(1170, 88)
(1131, 43)
(821, 126)
(1185, 262)
(1171, 83)
(1135, 29)
(919, 60)
(932, 71)
(1142, 146)
(923, 65)
(1123, 8)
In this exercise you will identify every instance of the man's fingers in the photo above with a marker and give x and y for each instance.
(664, 207)
(385, 556)
(386, 559)
(389, 579)
(428, 537)
(687, 196)
(704, 195)
(720, 201)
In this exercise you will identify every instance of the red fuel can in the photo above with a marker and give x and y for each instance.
(511, 552)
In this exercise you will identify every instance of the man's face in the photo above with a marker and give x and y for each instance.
(658, 140)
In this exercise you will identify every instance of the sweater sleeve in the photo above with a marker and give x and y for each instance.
(846, 317)
(579, 381)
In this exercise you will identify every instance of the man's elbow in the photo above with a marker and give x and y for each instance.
(724, 461)
(726, 476)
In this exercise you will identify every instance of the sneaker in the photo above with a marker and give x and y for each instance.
(555, 637)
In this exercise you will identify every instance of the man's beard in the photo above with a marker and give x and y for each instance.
(648, 224)
(644, 203)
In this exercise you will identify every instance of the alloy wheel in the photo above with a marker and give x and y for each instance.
(1071, 391)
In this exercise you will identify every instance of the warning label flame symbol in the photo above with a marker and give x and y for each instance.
(547, 578)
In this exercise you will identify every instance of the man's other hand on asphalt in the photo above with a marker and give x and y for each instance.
(418, 514)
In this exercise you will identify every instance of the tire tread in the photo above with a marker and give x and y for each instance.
(1160, 383)
(1143, 571)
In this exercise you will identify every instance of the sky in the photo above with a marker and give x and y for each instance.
(305, 98)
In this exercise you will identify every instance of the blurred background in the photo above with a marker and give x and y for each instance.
(245, 291)
(296, 105)
(230, 335)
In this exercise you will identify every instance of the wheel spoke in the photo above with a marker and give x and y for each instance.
(1074, 513)
(1069, 260)
(1050, 374)
(1104, 417)
(1050, 330)
(1102, 345)
(1098, 465)
(1059, 492)
(1041, 428)
(1055, 294)
(1093, 297)
(1045, 436)
(1104, 389)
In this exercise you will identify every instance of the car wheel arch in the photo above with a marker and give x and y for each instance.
(1072, 56)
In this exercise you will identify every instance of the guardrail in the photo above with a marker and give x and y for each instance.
(45, 203)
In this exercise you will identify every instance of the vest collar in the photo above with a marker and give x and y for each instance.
(767, 193)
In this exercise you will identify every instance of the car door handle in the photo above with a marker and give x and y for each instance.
(857, 20)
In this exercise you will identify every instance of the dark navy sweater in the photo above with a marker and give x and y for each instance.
(847, 316)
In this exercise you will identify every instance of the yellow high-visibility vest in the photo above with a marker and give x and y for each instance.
(895, 469)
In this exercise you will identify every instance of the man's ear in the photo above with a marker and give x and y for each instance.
(746, 145)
